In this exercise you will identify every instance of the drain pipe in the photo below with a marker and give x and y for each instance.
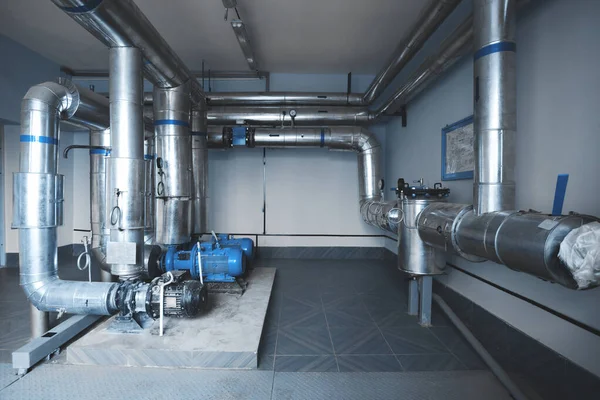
(173, 178)
(199, 170)
(496, 369)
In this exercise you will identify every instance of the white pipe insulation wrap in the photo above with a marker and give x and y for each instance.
(580, 251)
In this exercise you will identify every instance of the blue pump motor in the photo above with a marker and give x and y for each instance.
(219, 263)
(246, 244)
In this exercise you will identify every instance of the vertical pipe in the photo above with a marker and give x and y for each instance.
(39, 155)
(173, 179)
(149, 159)
(200, 169)
(98, 219)
(495, 113)
(125, 172)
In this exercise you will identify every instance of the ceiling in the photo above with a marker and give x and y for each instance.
(295, 36)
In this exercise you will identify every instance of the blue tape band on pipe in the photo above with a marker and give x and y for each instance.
(198, 133)
(89, 6)
(100, 151)
(148, 156)
(559, 193)
(495, 48)
(38, 139)
(171, 122)
(322, 137)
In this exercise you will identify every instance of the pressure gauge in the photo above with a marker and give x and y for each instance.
(381, 184)
(293, 113)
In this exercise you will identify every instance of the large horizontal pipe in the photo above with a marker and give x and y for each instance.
(280, 116)
(521, 240)
(120, 23)
(373, 210)
(284, 99)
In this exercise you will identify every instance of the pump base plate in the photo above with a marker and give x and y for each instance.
(226, 336)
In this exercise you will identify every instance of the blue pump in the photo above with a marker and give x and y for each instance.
(223, 259)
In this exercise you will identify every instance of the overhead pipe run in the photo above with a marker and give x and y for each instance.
(457, 45)
(285, 116)
(120, 23)
(430, 19)
(373, 210)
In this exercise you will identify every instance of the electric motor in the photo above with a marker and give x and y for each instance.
(181, 298)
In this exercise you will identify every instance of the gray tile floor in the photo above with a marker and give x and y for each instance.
(350, 315)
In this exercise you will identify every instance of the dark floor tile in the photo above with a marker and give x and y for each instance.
(413, 341)
(268, 340)
(438, 317)
(430, 362)
(349, 317)
(359, 341)
(581, 384)
(375, 301)
(305, 317)
(300, 300)
(393, 318)
(336, 300)
(305, 364)
(303, 341)
(458, 346)
(367, 363)
(266, 362)
(461, 306)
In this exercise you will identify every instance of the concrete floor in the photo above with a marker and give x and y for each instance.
(341, 316)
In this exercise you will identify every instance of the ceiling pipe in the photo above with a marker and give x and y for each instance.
(283, 116)
(282, 99)
(430, 19)
(241, 34)
(457, 45)
(120, 23)
(374, 210)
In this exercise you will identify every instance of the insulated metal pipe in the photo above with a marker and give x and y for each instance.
(280, 116)
(200, 170)
(98, 213)
(430, 19)
(149, 171)
(120, 23)
(38, 202)
(281, 99)
(452, 49)
(521, 240)
(495, 99)
(173, 179)
(125, 168)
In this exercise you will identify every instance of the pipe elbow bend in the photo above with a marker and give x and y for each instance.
(366, 141)
(61, 96)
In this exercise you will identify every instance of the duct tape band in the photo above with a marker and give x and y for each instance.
(495, 48)
(171, 122)
(322, 137)
(89, 6)
(38, 139)
(148, 156)
(559, 193)
(199, 134)
(102, 152)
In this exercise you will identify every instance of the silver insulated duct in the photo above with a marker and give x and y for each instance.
(495, 99)
(125, 167)
(173, 178)
(38, 203)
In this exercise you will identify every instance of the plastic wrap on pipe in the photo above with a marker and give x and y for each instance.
(580, 252)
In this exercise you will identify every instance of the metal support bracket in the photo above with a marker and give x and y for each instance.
(50, 342)
(425, 296)
(413, 297)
